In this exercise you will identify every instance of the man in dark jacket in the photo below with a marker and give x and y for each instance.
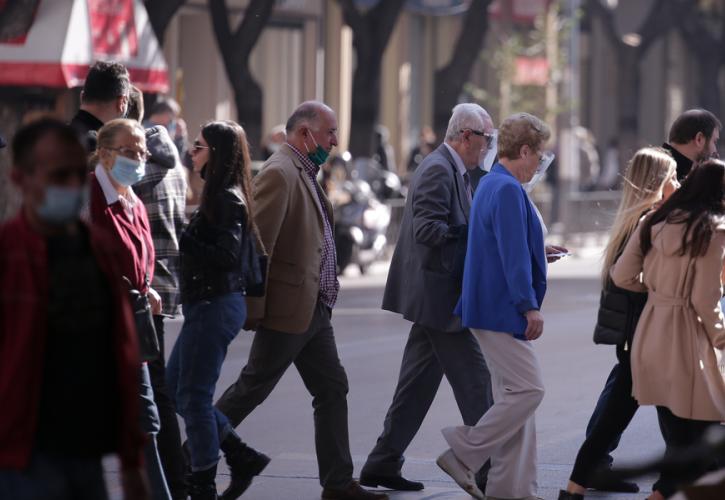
(163, 192)
(68, 350)
(693, 138)
(424, 284)
(104, 97)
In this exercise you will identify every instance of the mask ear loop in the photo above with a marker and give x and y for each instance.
(304, 143)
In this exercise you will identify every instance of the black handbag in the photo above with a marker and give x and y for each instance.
(257, 274)
(148, 340)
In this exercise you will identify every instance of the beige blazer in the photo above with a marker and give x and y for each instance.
(289, 218)
(680, 332)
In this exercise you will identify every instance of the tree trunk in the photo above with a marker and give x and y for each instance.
(248, 99)
(235, 48)
(708, 90)
(628, 79)
(365, 107)
(161, 12)
(449, 80)
(371, 33)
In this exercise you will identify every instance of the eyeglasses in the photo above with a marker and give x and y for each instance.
(488, 136)
(197, 146)
(132, 153)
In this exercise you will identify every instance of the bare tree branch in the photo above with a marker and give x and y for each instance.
(351, 15)
(384, 15)
(470, 39)
(160, 14)
(256, 16)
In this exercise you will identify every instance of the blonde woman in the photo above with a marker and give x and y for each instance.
(679, 252)
(650, 179)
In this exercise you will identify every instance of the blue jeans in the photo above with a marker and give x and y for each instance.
(55, 477)
(193, 370)
(150, 424)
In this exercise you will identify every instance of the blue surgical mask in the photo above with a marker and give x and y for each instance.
(62, 205)
(126, 171)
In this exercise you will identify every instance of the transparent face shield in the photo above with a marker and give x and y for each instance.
(546, 160)
(487, 162)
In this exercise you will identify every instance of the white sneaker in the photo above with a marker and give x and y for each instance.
(460, 473)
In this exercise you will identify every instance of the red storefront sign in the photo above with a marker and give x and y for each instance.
(113, 28)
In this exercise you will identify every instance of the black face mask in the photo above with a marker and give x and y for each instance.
(202, 172)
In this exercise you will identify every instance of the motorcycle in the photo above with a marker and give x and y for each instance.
(361, 221)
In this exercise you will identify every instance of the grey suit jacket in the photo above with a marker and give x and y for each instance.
(425, 277)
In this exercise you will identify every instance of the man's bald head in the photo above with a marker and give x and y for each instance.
(309, 114)
(313, 123)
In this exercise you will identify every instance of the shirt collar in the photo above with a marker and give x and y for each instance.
(457, 160)
(306, 162)
(109, 191)
(89, 119)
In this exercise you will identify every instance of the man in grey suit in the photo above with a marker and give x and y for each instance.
(424, 284)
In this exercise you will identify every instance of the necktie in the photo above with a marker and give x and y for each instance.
(467, 185)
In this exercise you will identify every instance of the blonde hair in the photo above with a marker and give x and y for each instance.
(647, 172)
(110, 131)
(521, 129)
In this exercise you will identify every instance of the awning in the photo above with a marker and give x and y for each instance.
(65, 37)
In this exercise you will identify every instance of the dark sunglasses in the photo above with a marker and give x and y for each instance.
(197, 146)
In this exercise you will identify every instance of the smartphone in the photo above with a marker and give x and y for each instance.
(558, 254)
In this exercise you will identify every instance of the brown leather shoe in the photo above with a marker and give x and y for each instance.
(353, 492)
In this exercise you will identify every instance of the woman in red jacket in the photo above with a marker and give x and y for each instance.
(120, 162)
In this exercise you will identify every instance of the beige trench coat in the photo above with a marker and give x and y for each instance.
(680, 334)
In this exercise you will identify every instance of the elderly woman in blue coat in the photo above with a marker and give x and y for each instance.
(504, 284)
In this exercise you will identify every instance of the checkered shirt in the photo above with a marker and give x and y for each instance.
(329, 286)
(163, 192)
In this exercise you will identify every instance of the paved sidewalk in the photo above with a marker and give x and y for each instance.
(370, 343)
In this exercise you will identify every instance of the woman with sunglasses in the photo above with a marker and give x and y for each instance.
(650, 180)
(120, 160)
(218, 264)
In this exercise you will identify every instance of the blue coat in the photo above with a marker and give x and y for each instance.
(505, 269)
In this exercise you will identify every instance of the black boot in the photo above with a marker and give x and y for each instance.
(244, 463)
(565, 495)
(202, 486)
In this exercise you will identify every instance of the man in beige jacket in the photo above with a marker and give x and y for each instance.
(292, 321)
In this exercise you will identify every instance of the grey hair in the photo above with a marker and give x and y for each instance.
(307, 113)
(466, 115)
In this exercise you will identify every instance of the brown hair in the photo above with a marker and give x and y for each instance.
(521, 129)
(229, 165)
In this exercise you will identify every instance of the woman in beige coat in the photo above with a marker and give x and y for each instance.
(678, 251)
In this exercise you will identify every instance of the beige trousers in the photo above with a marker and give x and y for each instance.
(506, 433)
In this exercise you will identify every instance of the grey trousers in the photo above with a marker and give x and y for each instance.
(506, 434)
(430, 354)
(314, 354)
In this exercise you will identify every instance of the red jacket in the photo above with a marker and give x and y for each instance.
(128, 235)
(23, 330)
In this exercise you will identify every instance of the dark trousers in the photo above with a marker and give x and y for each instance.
(169, 438)
(615, 410)
(314, 354)
(430, 354)
(599, 409)
(679, 433)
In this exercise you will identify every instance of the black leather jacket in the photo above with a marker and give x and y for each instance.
(218, 258)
